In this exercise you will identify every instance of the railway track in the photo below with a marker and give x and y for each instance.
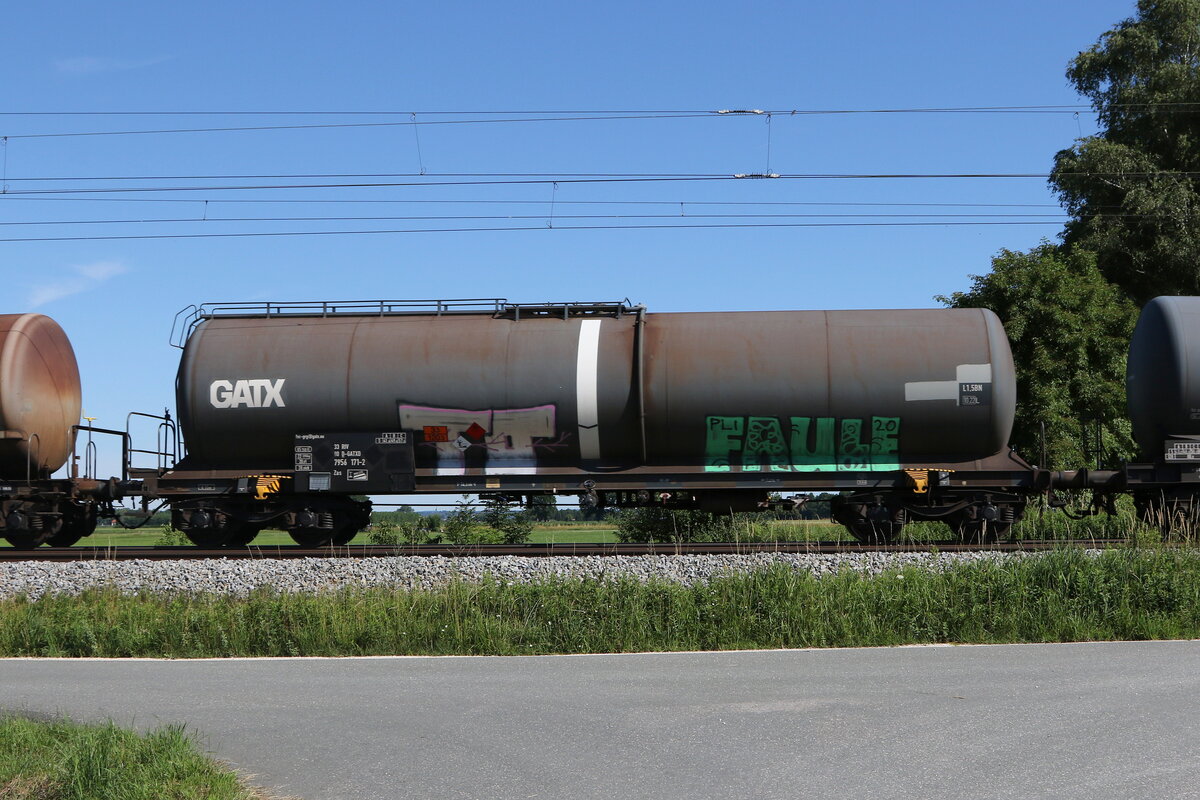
(185, 553)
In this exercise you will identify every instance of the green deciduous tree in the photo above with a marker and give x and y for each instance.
(542, 507)
(1069, 330)
(1133, 191)
(509, 521)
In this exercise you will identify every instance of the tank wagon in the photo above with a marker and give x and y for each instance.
(294, 412)
(40, 401)
(1163, 393)
(291, 412)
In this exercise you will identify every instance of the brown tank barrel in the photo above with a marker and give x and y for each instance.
(742, 391)
(40, 395)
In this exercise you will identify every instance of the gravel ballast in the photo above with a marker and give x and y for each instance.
(239, 577)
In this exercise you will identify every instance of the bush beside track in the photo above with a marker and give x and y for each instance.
(1061, 596)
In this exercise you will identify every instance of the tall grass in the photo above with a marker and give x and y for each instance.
(1065, 595)
(66, 761)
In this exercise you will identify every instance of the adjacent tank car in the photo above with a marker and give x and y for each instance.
(39, 406)
(289, 411)
(1163, 393)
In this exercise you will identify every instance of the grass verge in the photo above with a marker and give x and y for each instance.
(1061, 596)
(63, 760)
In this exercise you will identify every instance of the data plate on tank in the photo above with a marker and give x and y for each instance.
(1177, 451)
(974, 394)
(356, 463)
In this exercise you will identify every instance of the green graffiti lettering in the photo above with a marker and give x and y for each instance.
(724, 438)
(817, 456)
(853, 453)
(764, 445)
(885, 444)
(811, 444)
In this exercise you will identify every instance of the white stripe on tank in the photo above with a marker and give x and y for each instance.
(586, 389)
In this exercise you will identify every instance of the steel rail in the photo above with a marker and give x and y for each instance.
(181, 553)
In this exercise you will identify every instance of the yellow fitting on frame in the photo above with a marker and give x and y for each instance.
(265, 485)
(920, 477)
(920, 480)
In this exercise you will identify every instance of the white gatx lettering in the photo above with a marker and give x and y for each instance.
(218, 393)
(247, 392)
(272, 392)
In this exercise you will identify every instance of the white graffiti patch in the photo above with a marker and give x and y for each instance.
(504, 436)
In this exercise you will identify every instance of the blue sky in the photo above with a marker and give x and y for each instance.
(116, 298)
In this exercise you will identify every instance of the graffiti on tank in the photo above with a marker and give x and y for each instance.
(499, 440)
(801, 444)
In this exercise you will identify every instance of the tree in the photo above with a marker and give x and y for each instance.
(542, 507)
(1069, 329)
(1133, 191)
(459, 526)
(513, 525)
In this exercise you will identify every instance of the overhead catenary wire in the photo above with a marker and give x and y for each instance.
(342, 200)
(1060, 107)
(209, 220)
(299, 175)
(509, 229)
(506, 117)
(1054, 108)
(332, 125)
(594, 180)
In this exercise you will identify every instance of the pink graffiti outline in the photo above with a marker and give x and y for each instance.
(550, 408)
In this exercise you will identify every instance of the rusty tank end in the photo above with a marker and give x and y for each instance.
(40, 395)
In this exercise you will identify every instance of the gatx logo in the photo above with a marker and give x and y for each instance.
(248, 392)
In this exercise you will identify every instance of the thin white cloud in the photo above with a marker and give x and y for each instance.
(83, 277)
(102, 270)
(89, 65)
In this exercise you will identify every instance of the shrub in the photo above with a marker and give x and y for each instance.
(657, 524)
(171, 537)
(512, 524)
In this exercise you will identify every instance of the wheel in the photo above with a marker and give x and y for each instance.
(242, 535)
(27, 540)
(868, 532)
(978, 531)
(312, 537)
(346, 526)
(208, 538)
(77, 523)
(856, 518)
(345, 533)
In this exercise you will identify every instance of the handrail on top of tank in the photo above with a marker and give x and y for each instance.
(567, 310)
(188, 318)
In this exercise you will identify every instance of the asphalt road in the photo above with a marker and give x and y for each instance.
(1090, 721)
